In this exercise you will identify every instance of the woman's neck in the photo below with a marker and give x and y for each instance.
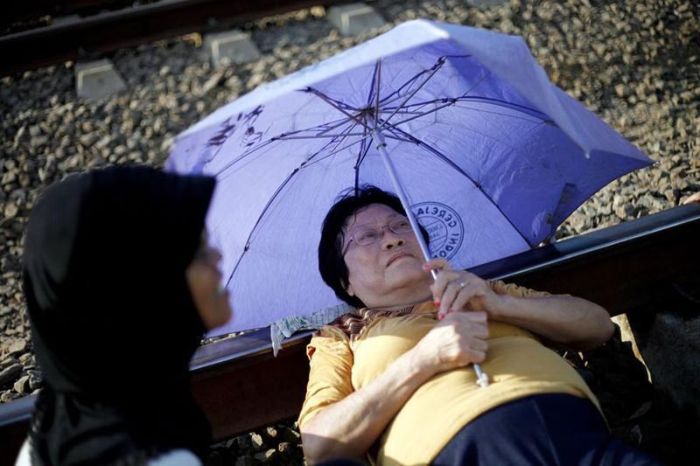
(401, 306)
(407, 296)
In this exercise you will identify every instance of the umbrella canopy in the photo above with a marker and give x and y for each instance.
(490, 155)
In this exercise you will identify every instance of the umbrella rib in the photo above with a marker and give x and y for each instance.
(338, 150)
(257, 222)
(331, 125)
(375, 78)
(364, 149)
(402, 112)
(378, 72)
(283, 136)
(487, 100)
(491, 112)
(438, 63)
(279, 189)
(510, 105)
(334, 104)
(325, 127)
(366, 139)
(339, 104)
(449, 162)
(416, 115)
(244, 155)
(396, 95)
(419, 115)
(434, 70)
(398, 138)
(333, 152)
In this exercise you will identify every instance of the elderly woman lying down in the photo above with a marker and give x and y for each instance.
(393, 380)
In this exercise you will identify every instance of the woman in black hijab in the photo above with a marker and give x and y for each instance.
(120, 287)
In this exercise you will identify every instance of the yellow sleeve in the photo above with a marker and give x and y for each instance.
(330, 363)
(517, 291)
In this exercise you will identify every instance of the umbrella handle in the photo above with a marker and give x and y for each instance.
(482, 378)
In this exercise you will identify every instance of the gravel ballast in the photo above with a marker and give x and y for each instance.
(635, 63)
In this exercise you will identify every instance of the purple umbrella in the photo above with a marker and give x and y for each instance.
(462, 123)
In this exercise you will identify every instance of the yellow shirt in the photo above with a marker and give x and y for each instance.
(517, 364)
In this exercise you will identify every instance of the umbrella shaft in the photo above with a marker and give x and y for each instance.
(381, 147)
(482, 378)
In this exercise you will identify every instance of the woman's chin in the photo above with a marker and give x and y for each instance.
(409, 274)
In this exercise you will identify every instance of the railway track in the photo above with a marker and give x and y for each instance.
(74, 37)
(241, 386)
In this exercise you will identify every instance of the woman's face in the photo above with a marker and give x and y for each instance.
(388, 271)
(204, 279)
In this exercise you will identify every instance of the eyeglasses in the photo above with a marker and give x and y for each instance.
(365, 235)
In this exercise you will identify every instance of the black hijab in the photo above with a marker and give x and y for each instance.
(113, 322)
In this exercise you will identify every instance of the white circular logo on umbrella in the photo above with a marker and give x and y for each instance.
(444, 227)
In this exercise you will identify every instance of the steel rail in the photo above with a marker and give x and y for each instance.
(32, 10)
(86, 37)
(241, 386)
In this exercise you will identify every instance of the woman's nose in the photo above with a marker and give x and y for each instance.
(391, 240)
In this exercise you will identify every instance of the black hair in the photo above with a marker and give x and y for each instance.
(331, 262)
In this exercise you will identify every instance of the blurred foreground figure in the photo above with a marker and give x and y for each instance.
(120, 286)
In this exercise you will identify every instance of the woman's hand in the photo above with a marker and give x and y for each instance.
(457, 341)
(459, 290)
(564, 320)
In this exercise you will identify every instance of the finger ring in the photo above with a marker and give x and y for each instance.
(462, 284)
